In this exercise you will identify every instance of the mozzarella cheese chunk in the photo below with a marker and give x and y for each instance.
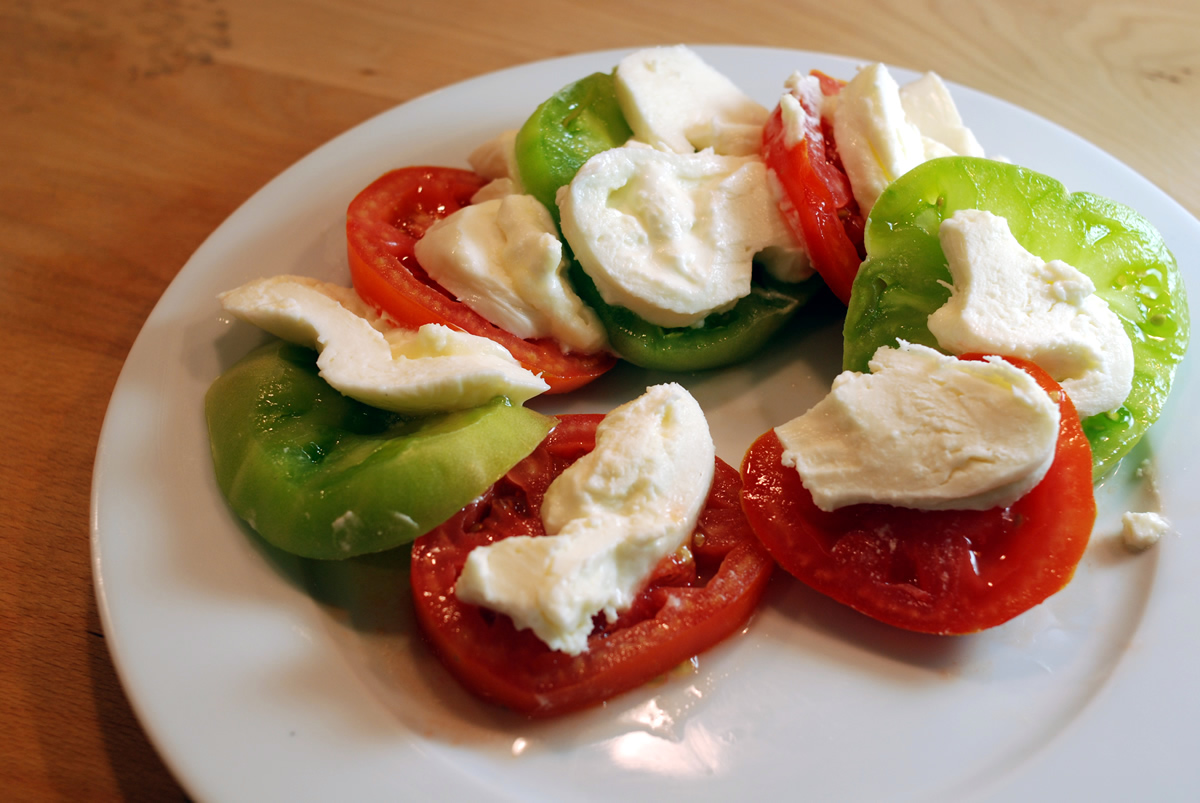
(673, 100)
(1140, 531)
(429, 370)
(928, 106)
(925, 431)
(495, 189)
(1005, 300)
(609, 518)
(496, 159)
(882, 132)
(670, 236)
(503, 259)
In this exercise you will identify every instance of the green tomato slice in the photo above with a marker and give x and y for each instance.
(576, 123)
(724, 338)
(573, 125)
(901, 282)
(323, 476)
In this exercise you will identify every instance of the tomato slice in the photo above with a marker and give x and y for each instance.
(323, 476)
(384, 222)
(945, 571)
(905, 277)
(689, 605)
(818, 204)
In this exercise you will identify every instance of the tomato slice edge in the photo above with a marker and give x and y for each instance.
(526, 676)
(990, 588)
(385, 220)
(812, 180)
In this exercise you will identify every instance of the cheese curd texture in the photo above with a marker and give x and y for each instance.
(670, 236)
(609, 518)
(1140, 531)
(429, 370)
(503, 259)
(883, 131)
(1005, 300)
(925, 431)
(675, 101)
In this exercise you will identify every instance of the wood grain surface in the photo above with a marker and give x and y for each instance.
(129, 129)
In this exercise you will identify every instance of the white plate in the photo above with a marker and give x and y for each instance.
(264, 677)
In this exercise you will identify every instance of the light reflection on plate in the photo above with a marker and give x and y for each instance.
(259, 675)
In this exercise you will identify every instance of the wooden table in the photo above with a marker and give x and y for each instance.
(129, 130)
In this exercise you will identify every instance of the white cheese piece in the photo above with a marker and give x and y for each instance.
(879, 140)
(785, 263)
(926, 431)
(928, 105)
(609, 518)
(1140, 531)
(673, 100)
(803, 94)
(432, 369)
(497, 158)
(503, 259)
(671, 237)
(1005, 300)
(495, 189)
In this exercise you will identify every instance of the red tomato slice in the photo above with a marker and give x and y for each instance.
(690, 603)
(382, 224)
(818, 204)
(943, 572)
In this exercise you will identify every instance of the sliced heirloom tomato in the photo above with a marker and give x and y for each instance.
(725, 338)
(945, 572)
(570, 127)
(321, 475)
(690, 603)
(817, 202)
(383, 223)
(579, 121)
(905, 277)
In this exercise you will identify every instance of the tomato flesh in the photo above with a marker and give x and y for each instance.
(321, 475)
(384, 222)
(691, 602)
(818, 204)
(944, 571)
(905, 277)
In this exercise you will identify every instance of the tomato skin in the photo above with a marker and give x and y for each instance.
(669, 623)
(944, 572)
(905, 277)
(725, 338)
(568, 128)
(383, 223)
(292, 456)
(817, 204)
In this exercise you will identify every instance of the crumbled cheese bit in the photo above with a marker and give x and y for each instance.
(1140, 531)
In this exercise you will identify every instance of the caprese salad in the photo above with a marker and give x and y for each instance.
(1006, 342)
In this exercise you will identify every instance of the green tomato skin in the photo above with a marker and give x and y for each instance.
(900, 283)
(576, 123)
(323, 476)
(724, 339)
(573, 125)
